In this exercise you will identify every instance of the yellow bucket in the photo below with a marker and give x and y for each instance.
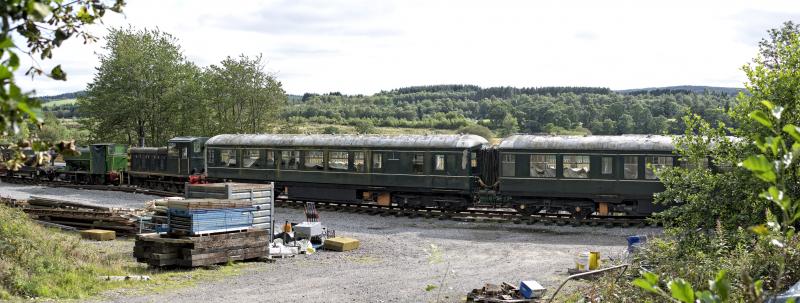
(594, 260)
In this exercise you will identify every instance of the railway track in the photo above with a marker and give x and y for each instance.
(470, 215)
(64, 184)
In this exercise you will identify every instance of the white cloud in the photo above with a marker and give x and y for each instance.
(367, 46)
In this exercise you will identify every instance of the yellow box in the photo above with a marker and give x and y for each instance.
(341, 244)
(98, 234)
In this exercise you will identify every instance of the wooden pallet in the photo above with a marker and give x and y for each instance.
(157, 250)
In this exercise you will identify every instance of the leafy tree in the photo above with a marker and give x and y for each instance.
(242, 97)
(44, 25)
(476, 129)
(126, 99)
(145, 91)
(770, 154)
(509, 125)
(364, 127)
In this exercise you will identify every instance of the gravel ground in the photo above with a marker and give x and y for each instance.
(110, 198)
(394, 263)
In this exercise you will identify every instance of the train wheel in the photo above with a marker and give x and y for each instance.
(582, 212)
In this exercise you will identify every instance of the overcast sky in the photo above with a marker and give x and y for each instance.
(368, 46)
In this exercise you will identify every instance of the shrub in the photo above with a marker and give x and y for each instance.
(476, 129)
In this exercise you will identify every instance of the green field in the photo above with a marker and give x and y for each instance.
(59, 102)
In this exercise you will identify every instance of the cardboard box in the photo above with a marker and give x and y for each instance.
(341, 244)
(98, 234)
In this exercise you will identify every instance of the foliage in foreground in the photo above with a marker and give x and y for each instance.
(39, 262)
(754, 251)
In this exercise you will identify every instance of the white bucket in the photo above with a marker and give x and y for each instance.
(582, 261)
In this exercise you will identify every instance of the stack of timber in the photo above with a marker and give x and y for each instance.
(260, 196)
(159, 211)
(207, 216)
(163, 250)
(82, 215)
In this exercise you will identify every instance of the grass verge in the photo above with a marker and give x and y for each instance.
(38, 262)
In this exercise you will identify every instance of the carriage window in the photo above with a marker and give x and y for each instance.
(394, 156)
(418, 163)
(172, 150)
(251, 158)
(314, 159)
(509, 165)
(692, 164)
(358, 161)
(608, 166)
(631, 167)
(290, 159)
(474, 160)
(543, 166)
(270, 158)
(227, 157)
(185, 153)
(197, 146)
(210, 159)
(439, 162)
(576, 166)
(377, 160)
(338, 160)
(654, 163)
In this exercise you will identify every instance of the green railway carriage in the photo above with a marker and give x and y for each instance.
(414, 171)
(583, 175)
(102, 163)
(169, 167)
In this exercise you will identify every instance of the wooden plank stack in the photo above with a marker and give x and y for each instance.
(162, 250)
(82, 214)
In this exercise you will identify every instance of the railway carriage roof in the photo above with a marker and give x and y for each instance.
(402, 141)
(148, 150)
(624, 142)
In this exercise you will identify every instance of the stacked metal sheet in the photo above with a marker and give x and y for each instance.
(207, 216)
(260, 197)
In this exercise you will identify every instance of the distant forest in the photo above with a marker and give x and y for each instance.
(504, 110)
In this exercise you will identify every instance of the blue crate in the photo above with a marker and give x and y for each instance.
(211, 220)
(188, 213)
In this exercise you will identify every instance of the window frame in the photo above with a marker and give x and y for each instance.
(546, 158)
(579, 164)
(269, 155)
(346, 158)
(379, 157)
(287, 155)
(504, 161)
(313, 159)
(417, 163)
(625, 164)
(604, 165)
(362, 159)
(247, 154)
(439, 163)
(650, 168)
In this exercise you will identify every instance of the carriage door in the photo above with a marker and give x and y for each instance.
(439, 169)
(99, 153)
